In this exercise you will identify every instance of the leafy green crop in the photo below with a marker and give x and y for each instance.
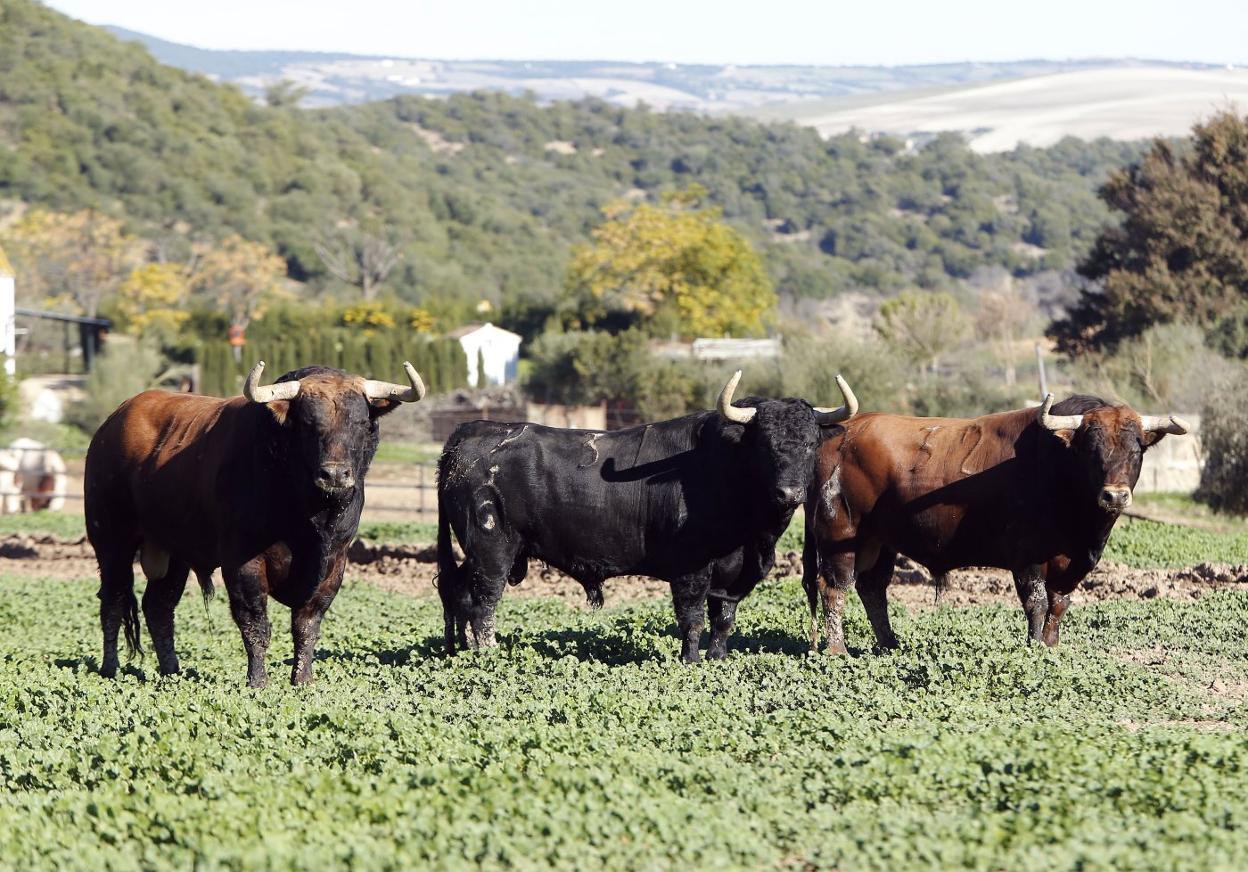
(1146, 544)
(66, 525)
(583, 742)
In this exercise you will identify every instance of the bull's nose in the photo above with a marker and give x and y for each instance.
(790, 496)
(1115, 498)
(335, 476)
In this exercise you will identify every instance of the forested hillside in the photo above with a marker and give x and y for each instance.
(485, 194)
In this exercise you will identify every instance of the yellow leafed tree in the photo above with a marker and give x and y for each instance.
(77, 256)
(238, 274)
(151, 300)
(674, 268)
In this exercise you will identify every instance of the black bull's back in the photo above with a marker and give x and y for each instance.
(644, 501)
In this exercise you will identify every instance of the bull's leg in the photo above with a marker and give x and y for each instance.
(872, 587)
(116, 597)
(722, 613)
(487, 590)
(1029, 584)
(159, 601)
(249, 605)
(1058, 603)
(305, 629)
(305, 620)
(689, 599)
(836, 576)
(456, 605)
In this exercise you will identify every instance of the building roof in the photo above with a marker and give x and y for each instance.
(6, 268)
(469, 329)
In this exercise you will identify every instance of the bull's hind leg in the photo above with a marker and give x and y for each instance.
(159, 601)
(118, 606)
(872, 585)
(249, 605)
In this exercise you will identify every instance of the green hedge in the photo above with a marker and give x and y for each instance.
(440, 362)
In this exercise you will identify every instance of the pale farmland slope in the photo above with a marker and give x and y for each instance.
(1122, 103)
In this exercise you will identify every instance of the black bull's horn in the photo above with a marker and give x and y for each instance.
(826, 417)
(374, 390)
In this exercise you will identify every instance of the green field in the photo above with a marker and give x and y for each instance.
(583, 742)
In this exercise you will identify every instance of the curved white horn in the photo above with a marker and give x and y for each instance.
(828, 417)
(383, 390)
(1057, 422)
(257, 393)
(1165, 423)
(727, 409)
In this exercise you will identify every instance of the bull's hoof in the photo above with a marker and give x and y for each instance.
(691, 658)
(109, 670)
(716, 653)
(835, 650)
(889, 644)
(257, 681)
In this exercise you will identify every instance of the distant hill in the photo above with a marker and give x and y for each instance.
(485, 193)
(333, 79)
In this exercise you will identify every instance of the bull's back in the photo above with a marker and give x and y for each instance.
(152, 463)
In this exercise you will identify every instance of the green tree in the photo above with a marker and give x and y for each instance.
(672, 267)
(1181, 251)
(922, 326)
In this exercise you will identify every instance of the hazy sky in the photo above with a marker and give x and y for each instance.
(701, 31)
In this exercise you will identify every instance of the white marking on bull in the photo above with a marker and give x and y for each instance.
(592, 444)
(831, 493)
(513, 437)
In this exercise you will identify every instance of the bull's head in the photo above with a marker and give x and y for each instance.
(780, 438)
(1109, 443)
(331, 419)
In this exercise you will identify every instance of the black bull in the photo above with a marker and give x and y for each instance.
(697, 501)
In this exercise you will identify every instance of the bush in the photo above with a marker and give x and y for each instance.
(1224, 443)
(124, 369)
(8, 398)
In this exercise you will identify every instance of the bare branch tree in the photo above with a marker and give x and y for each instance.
(360, 259)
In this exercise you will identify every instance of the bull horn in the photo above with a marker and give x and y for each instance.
(1165, 424)
(1057, 422)
(727, 409)
(828, 417)
(257, 393)
(382, 390)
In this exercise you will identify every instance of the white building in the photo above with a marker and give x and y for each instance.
(500, 349)
(8, 322)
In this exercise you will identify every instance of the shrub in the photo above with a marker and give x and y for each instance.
(1224, 443)
(124, 369)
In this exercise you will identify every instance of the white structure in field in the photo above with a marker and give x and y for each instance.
(499, 348)
(8, 322)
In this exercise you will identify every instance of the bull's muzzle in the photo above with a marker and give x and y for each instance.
(1115, 498)
(334, 478)
(790, 495)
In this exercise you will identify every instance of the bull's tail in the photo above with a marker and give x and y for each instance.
(118, 589)
(449, 580)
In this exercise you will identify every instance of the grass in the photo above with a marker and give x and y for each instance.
(394, 451)
(65, 525)
(398, 532)
(581, 742)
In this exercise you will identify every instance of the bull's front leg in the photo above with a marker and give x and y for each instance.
(1057, 603)
(249, 605)
(836, 576)
(305, 620)
(689, 599)
(723, 613)
(1029, 584)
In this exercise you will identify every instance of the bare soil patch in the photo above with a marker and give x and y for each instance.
(411, 569)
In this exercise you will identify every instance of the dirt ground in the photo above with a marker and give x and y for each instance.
(410, 569)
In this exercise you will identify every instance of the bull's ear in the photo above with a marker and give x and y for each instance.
(1152, 437)
(377, 408)
(279, 409)
(1067, 436)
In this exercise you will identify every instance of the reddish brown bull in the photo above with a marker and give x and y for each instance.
(267, 486)
(1032, 491)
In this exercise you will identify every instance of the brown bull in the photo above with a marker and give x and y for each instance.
(1032, 491)
(267, 486)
